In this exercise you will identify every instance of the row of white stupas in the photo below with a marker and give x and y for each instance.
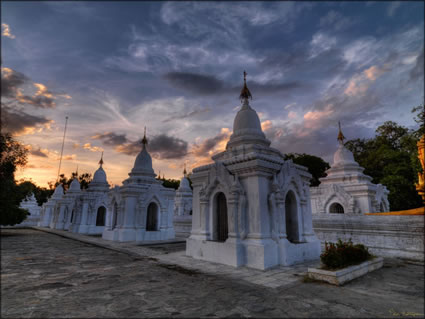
(250, 207)
(140, 210)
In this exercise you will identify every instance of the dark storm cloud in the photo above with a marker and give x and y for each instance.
(417, 73)
(38, 101)
(111, 139)
(16, 121)
(196, 83)
(37, 152)
(167, 147)
(208, 145)
(10, 82)
(208, 84)
(160, 146)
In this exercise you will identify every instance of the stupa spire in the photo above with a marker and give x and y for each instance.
(341, 136)
(245, 93)
(101, 160)
(144, 140)
(184, 171)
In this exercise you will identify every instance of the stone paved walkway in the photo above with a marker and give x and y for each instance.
(45, 275)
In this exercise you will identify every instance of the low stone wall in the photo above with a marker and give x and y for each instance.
(182, 226)
(387, 236)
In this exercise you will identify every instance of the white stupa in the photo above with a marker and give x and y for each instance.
(31, 205)
(251, 207)
(48, 208)
(346, 189)
(90, 216)
(66, 207)
(183, 208)
(142, 209)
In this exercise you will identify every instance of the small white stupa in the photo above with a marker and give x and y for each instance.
(48, 208)
(90, 216)
(346, 189)
(31, 205)
(183, 207)
(66, 207)
(142, 209)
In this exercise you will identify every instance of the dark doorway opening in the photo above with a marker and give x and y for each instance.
(291, 217)
(152, 217)
(222, 227)
(100, 217)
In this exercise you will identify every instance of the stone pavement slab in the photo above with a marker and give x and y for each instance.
(47, 276)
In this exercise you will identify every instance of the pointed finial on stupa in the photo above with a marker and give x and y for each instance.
(184, 171)
(76, 172)
(341, 136)
(101, 160)
(144, 140)
(245, 93)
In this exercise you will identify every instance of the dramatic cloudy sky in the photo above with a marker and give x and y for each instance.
(176, 67)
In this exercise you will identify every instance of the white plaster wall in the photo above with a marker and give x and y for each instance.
(387, 236)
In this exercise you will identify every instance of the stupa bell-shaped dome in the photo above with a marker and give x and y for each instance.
(58, 193)
(99, 176)
(75, 186)
(247, 121)
(184, 184)
(247, 125)
(343, 155)
(143, 162)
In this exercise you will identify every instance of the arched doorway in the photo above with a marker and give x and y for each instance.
(336, 208)
(100, 217)
(115, 215)
(291, 217)
(221, 217)
(152, 217)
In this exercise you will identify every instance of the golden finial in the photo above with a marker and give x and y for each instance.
(101, 160)
(144, 140)
(245, 93)
(341, 136)
(184, 171)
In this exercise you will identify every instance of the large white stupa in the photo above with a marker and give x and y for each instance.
(251, 207)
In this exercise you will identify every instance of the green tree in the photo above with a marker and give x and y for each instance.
(391, 159)
(84, 180)
(12, 155)
(41, 194)
(316, 166)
